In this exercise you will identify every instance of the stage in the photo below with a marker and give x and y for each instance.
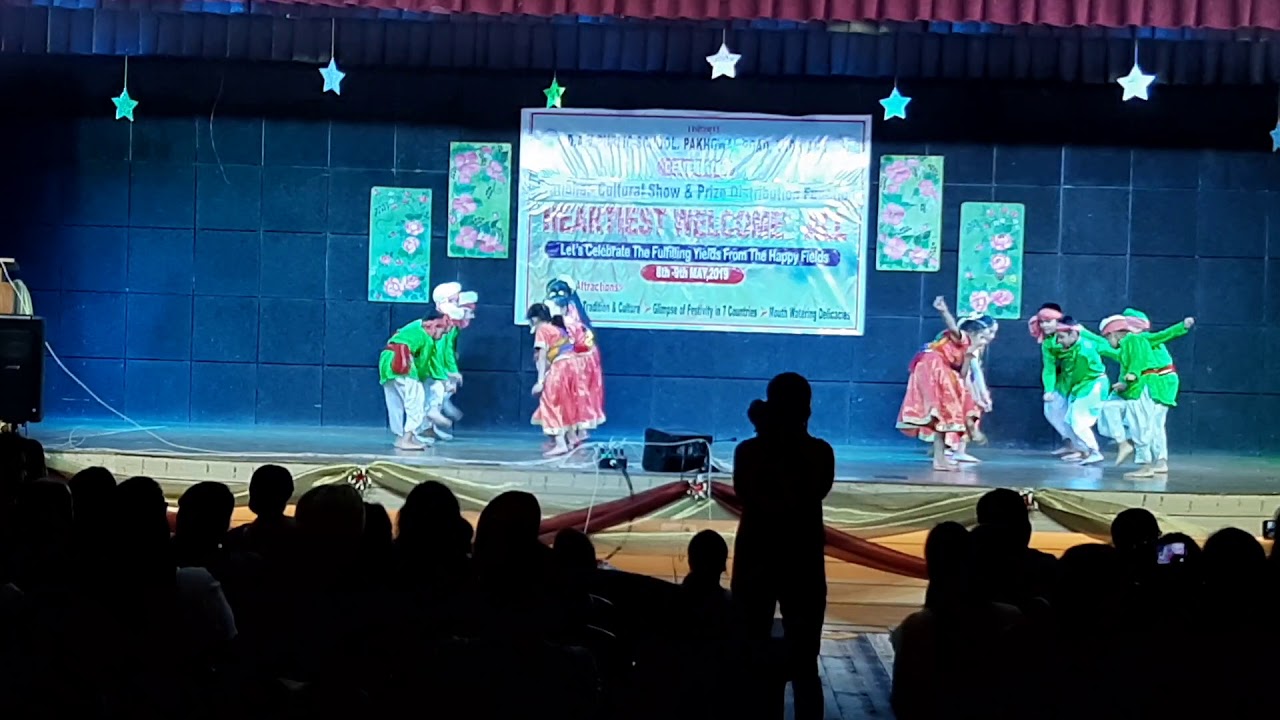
(888, 495)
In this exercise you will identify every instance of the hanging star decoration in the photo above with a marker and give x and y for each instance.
(124, 105)
(555, 94)
(1135, 84)
(332, 77)
(724, 63)
(1275, 137)
(895, 106)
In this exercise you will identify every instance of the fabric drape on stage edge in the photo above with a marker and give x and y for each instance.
(1221, 14)
(664, 517)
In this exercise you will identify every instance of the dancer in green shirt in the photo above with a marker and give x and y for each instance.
(1084, 380)
(1147, 388)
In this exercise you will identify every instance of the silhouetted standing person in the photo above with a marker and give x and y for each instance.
(781, 477)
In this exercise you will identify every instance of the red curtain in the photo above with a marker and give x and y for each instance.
(1218, 14)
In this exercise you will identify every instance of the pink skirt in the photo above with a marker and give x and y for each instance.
(591, 389)
(936, 401)
(559, 403)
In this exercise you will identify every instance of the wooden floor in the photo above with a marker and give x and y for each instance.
(857, 672)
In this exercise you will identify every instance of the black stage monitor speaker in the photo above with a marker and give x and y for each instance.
(21, 369)
(676, 452)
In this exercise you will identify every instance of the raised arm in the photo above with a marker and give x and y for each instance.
(940, 305)
(1101, 344)
(1172, 332)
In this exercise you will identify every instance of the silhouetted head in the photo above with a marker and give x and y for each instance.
(1233, 558)
(270, 489)
(508, 527)
(140, 522)
(331, 519)
(376, 540)
(1135, 530)
(948, 557)
(204, 515)
(91, 493)
(33, 457)
(787, 403)
(1090, 581)
(1005, 509)
(431, 522)
(708, 554)
(574, 553)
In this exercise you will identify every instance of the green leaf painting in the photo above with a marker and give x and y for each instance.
(991, 242)
(479, 199)
(399, 245)
(909, 229)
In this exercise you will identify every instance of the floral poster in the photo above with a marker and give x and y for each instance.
(991, 241)
(909, 229)
(399, 245)
(479, 199)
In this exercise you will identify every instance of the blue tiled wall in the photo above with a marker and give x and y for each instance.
(206, 272)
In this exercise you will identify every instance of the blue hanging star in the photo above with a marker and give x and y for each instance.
(124, 105)
(1135, 84)
(332, 77)
(895, 106)
(1275, 137)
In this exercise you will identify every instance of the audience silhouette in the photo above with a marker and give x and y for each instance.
(108, 612)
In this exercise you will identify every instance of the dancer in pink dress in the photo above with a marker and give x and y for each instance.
(559, 396)
(562, 299)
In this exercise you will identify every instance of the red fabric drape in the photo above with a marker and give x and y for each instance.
(841, 545)
(1218, 14)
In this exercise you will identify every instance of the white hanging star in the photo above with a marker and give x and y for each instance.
(724, 63)
(1275, 137)
(1135, 84)
(332, 77)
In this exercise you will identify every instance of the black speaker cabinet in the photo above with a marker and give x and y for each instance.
(676, 452)
(21, 369)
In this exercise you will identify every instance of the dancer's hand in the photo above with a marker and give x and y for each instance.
(940, 304)
(537, 388)
(1048, 397)
(456, 379)
(1189, 323)
(1120, 386)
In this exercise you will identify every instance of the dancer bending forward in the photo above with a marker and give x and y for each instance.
(1148, 386)
(563, 300)
(560, 402)
(938, 403)
(1086, 385)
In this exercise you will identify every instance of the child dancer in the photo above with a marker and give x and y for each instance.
(1085, 381)
(977, 382)
(435, 369)
(562, 299)
(1147, 388)
(1043, 326)
(937, 401)
(467, 303)
(400, 373)
(556, 388)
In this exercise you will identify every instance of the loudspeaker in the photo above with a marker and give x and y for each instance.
(21, 369)
(676, 452)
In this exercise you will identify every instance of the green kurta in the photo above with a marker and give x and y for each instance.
(450, 357)
(437, 364)
(1140, 352)
(1051, 376)
(1081, 367)
(419, 343)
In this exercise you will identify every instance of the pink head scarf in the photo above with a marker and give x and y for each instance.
(1033, 325)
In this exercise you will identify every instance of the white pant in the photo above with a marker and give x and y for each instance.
(1055, 411)
(406, 404)
(1141, 421)
(435, 395)
(1082, 414)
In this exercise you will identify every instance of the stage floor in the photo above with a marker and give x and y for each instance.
(901, 464)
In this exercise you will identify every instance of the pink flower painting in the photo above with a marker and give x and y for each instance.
(893, 214)
(463, 205)
(896, 173)
(1001, 241)
(979, 300)
(895, 248)
(920, 256)
(393, 287)
(411, 282)
(1002, 298)
(399, 232)
(496, 172)
(489, 244)
(467, 237)
(414, 227)
(467, 165)
(385, 259)
(1001, 263)
(928, 189)
(411, 245)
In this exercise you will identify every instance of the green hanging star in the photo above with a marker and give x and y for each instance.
(555, 94)
(124, 105)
